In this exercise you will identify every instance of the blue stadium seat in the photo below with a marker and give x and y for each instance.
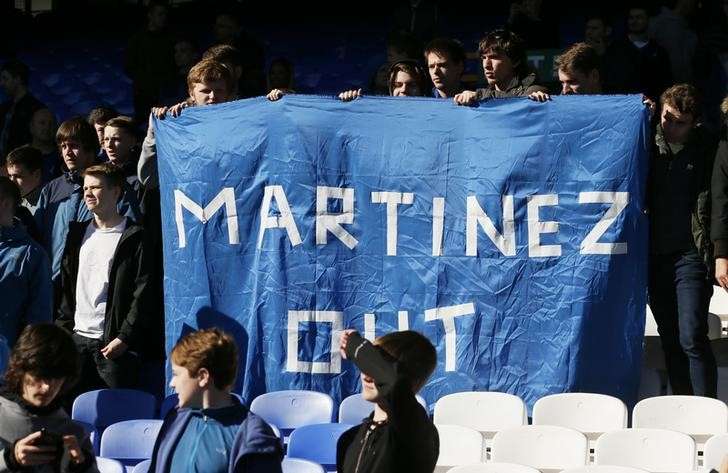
(317, 443)
(355, 408)
(142, 467)
(104, 407)
(298, 465)
(130, 441)
(107, 465)
(289, 410)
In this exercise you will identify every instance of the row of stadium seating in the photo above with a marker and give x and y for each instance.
(474, 426)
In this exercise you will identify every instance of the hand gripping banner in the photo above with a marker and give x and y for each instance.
(511, 234)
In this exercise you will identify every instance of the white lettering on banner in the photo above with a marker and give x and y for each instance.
(591, 245)
(505, 242)
(226, 197)
(285, 220)
(370, 322)
(438, 222)
(326, 222)
(536, 227)
(392, 199)
(476, 218)
(447, 315)
(295, 317)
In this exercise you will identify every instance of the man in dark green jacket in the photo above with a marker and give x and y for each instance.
(681, 254)
(105, 285)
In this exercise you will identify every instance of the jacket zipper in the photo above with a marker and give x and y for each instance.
(363, 447)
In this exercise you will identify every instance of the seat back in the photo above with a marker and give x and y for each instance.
(584, 412)
(459, 445)
(353, 409)
(666, 451)
(104, 407)
(130, 441)
(716, 448)
(541, 446)
(693, 415)
(482, 411)
(604, 469)
(142, 467)
(317, 443)
(299, 465)
(289, 410)
(108, 465)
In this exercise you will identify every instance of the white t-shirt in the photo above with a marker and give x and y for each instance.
(92, 284)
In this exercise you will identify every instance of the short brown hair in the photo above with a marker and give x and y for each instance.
(78, 129)
(685, 98)
(223, 53)
(45, 351)
(452, 49)
(211, 349)
(26, 156)
(579, 57)
(412, 68)
(509, 44)
(415, 355)
(101, 115)
(209, 70)
(123, 122)
(112, 174)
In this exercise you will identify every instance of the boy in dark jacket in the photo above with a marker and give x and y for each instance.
(681, 254)
(210, 430)
(398, 435)
(105, 284)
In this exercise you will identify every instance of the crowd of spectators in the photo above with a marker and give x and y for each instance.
(80, 223)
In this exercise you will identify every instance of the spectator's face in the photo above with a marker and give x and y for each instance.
(210, 92)
(444, 73)
(99, 195)
(498, 68)
(43, 126)
(99, 127)
(40, 392)
(9, 83)
(369, 389)
(24, 178)
(118, 144)
(579, 83)
(405, 85)
(184, 54)
(157, 18)
(226, 29)
(637, 21)
(75, 156)
(676, 125)
(596, 32)
(188, 388)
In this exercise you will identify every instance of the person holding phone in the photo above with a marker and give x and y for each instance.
(36, 434)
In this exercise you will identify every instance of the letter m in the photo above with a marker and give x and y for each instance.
(225, 197)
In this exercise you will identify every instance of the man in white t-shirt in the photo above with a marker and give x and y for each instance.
(104, 283)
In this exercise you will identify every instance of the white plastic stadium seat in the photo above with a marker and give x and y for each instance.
(665, 451)
(541, 446)
(585, 412)
(697, 416)
(493, 467)
(288, 410)
(299, 465)
(486, 412)
(604, 469)
(459, 445)
(715, 449)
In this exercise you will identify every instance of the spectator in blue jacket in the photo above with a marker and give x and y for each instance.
(61, 201)
(25, 280)
(210, 430)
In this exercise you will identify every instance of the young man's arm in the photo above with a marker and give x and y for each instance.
(133, 329)
(147, 166)
(719, 214)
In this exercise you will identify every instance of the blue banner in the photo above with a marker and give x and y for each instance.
(511, 234)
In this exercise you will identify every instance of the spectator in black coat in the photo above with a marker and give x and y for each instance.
(17, 112)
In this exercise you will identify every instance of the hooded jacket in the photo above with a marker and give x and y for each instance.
(518, 87)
